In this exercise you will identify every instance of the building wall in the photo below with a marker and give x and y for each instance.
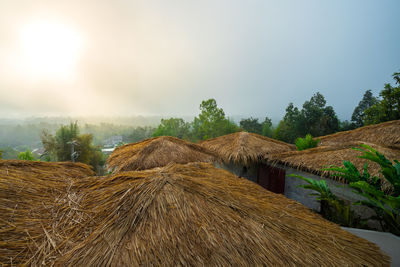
(249, 172)
(301, 195)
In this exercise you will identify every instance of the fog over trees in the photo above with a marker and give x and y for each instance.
(50, 138)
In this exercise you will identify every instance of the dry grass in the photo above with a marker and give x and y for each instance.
(48, 170)
(191, 215)
(156, 152)
(245, 148)
(386, 134)
(314, 159)
(30, 193)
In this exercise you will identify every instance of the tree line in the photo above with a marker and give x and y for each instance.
(386, 107)
(314, 118)
(68, 144)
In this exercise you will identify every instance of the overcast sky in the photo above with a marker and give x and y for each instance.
(165, 57)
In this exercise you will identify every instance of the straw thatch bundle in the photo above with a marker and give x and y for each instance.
(245, 148)
(48, 170)
(314, 159)
(195, 214)
(29, 195)
(387, 134)
(157, 152)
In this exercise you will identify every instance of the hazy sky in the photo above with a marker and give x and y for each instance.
(165, 57)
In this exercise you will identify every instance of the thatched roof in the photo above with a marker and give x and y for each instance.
(29, 193)
(157, 152)
(314, 159)
(245, 148)
(387, 134)
(50, 170)
(197, 215)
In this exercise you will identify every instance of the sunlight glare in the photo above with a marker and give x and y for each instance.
(49, 50)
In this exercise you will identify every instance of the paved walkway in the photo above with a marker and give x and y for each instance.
(388, 242)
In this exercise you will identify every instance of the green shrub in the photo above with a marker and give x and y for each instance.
(307, 142)
(385, 204)
(27, 155)
(332, 208)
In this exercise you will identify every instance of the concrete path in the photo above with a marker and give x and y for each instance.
(388, 242)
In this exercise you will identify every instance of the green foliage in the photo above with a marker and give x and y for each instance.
(346, 125)
(84, 147)
(173, 127)
(27, 155)
(332, 208)
(65, 135)
(50, 145)
(267, 129)
(367, 102)
(251, 125)
(306, 143)
(385, 204)
(386, 108)
(140, 133)
(320, 186)
(315, 118)
(211, 122)
(1, 154)
(59, 147)
(285, 132)
(396, 77)
(319, 119)
(291, 125)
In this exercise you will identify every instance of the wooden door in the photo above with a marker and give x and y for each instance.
(271, 178)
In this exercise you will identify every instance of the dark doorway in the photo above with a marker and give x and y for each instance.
(271, 178)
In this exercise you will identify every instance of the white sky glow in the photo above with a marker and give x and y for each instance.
(158, 57)
(49, 51)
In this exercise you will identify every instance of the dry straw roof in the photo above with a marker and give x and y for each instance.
(387, 134)
(196, 215)
(314, 159)
(29, 193)
(48, 170)
(157, 152)
(245, 148)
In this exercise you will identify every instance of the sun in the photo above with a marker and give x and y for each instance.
(49, 50)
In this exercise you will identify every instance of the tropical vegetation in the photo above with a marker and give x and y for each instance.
(27, 155)
(380, 193)
(69, 145)
(306, 142)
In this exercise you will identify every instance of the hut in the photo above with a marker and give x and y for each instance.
(197, 215)
(386, 134)
(29, 193)
(309, 163)
(156, 152)
(243, 154)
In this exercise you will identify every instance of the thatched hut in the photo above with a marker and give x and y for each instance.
(244, 155)
(157, 152)
(386, 134)
(196, 215)
(29, 193)
(310, 162)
